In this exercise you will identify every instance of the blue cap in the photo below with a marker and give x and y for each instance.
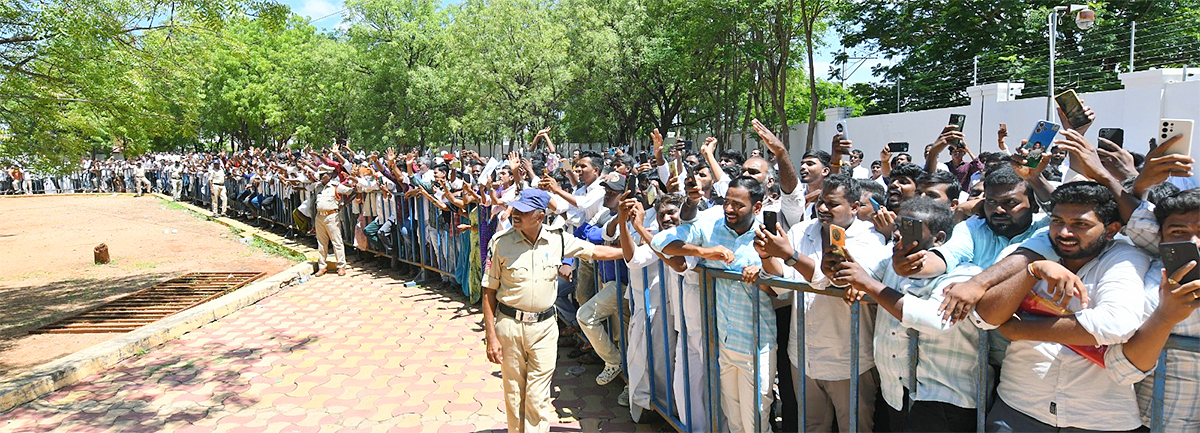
(531, 199)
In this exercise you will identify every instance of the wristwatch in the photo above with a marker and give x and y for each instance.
(791, 261)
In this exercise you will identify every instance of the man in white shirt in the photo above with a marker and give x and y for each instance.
(942, 395)
(648, 291)
(800, 255)
(583, 205)
(1045, 385)
(856, 168)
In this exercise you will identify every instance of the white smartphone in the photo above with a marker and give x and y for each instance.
(1168, 128)
(843, 129)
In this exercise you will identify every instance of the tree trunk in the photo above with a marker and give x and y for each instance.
(812, 84)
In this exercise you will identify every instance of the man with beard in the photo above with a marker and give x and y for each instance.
(520, 275)
(728, 244)
(1045, 386)
(799, 255)
(1009, 218)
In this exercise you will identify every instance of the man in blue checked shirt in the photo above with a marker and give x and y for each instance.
(728, 243)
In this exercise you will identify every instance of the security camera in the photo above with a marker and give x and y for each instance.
(1085, 19)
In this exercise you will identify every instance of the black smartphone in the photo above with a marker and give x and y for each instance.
(898, 147)
(1177, 254)
(911, 229)
(959, 121)
(1115, 135)
(1069, 102)
(631, 186)
(771, 219)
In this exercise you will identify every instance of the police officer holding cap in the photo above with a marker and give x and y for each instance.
(522, 274)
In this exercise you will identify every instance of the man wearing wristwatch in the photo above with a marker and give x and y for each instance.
(799, 255)
(521, 284)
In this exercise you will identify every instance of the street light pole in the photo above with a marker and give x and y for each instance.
(1084, 23)
(1053, 19)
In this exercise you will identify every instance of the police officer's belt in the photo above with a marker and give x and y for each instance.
(522, 316)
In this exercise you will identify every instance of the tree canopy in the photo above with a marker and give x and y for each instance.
(94, 76)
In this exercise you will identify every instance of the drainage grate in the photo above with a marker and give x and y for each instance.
(146, 306)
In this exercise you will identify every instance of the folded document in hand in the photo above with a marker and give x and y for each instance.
(1043, 307)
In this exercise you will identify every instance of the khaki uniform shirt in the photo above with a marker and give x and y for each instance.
(327, 196)
(524, 274)
(217, 177)
(139, 172)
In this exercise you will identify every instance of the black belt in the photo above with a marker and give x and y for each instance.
(522, 316)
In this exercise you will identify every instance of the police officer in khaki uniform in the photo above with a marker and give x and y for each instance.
(328, 195)
(216, 185)
(522, 274)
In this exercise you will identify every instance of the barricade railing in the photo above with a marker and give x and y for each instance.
(679, 412)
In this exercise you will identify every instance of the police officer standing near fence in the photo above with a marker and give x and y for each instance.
(216, 186)
(522, 275)
(328, 220)
(176, 173)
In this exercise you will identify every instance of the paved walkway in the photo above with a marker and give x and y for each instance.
(357, 353)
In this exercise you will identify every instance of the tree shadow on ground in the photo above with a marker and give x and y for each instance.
(33, 306)
(127, 396)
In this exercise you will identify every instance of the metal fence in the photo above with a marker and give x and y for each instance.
(424, 236)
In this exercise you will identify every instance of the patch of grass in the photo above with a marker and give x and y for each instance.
(145, 265)
(236, 231)
(142, 351)
(276, 250)
(173, 205)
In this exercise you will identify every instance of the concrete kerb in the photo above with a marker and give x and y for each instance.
(68, 370)
(308, 253)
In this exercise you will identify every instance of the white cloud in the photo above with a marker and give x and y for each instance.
(317, 8)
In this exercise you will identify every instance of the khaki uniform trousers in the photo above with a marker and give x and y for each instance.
(140, 181)
(176, 188)
(530, 351)
(218, 192)
(329, 230)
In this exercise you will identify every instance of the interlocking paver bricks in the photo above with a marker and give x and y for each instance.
(356, 353)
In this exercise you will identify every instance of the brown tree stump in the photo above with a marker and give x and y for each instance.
(101, 254)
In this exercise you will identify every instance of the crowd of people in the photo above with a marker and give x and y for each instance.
(1059, 262)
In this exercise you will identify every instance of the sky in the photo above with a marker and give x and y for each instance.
(328, 15)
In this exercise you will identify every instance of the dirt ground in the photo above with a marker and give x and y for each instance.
(47, 270)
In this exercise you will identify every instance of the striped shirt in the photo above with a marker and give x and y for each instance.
(947, 356)
(1181, 413)
(736, 301)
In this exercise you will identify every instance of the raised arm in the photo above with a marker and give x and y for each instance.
(788, 181)
(708, 149)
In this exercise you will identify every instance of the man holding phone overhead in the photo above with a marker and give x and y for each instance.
(804, 253)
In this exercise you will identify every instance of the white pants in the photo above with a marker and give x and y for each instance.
(691, 380)
(740, 390)
(647, 316)
(591, 317)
